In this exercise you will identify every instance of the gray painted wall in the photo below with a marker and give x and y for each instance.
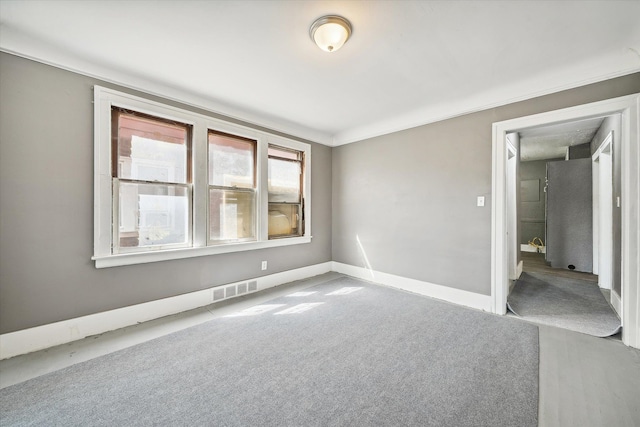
(612, 123)
(532, 211)
(570, 215)
(46, 199)
(582, 151)
(408, 199)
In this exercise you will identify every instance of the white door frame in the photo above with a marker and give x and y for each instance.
(629, 109)
(515, 268)
(595, 179)
(603, 213)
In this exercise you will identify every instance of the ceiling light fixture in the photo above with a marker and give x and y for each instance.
(330, 32)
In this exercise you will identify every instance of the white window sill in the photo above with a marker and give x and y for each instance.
(166, 255)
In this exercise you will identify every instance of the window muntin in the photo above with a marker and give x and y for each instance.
(151, 176)
(232, 188)
(285, 187)
(284, 153)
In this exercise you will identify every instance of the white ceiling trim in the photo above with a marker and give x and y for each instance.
(17, 44)
(595, 70)
(615, 64)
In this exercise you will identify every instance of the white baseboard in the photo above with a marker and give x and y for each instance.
(616, 303)
(519, 269)
(45, 336)
(528, 248)
(53, 334)
(453, 295)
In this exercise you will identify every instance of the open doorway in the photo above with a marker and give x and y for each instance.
(561, 219)
(566, 234)
(628, 109)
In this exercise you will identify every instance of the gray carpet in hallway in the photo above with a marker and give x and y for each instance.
(573, 304)
(344, 352)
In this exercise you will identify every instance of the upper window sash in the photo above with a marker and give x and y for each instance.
(149, 148)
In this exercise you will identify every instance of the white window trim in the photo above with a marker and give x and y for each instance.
(104, 99)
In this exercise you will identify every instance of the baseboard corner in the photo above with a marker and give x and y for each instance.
(445, 293)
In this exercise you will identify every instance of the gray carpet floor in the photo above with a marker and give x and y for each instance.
(573, 304)
(347, 353)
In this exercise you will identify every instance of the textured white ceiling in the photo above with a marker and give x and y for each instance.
(407, 63)
(551, 142)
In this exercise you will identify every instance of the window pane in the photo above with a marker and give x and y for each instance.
(151, 150)
(231, 161)
(284, 181)
(152, 214)
(231, 215)
(284, 220)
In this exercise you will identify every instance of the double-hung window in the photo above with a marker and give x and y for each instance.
(285, 192)
(151, 171)
(170, 183)
(232, 188)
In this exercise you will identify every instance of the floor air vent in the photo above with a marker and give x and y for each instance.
(242, 288)
(230, 291)
(218, 294)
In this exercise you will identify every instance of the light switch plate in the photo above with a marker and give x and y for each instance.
(480, 200)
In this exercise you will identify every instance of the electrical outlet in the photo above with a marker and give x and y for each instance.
(264, 265)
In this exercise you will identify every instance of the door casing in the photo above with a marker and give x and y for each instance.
(629, 109)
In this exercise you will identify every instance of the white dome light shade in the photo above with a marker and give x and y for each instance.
(330, 32)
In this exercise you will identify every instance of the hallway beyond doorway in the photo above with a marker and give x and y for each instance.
(535, 263)
(562, 298)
